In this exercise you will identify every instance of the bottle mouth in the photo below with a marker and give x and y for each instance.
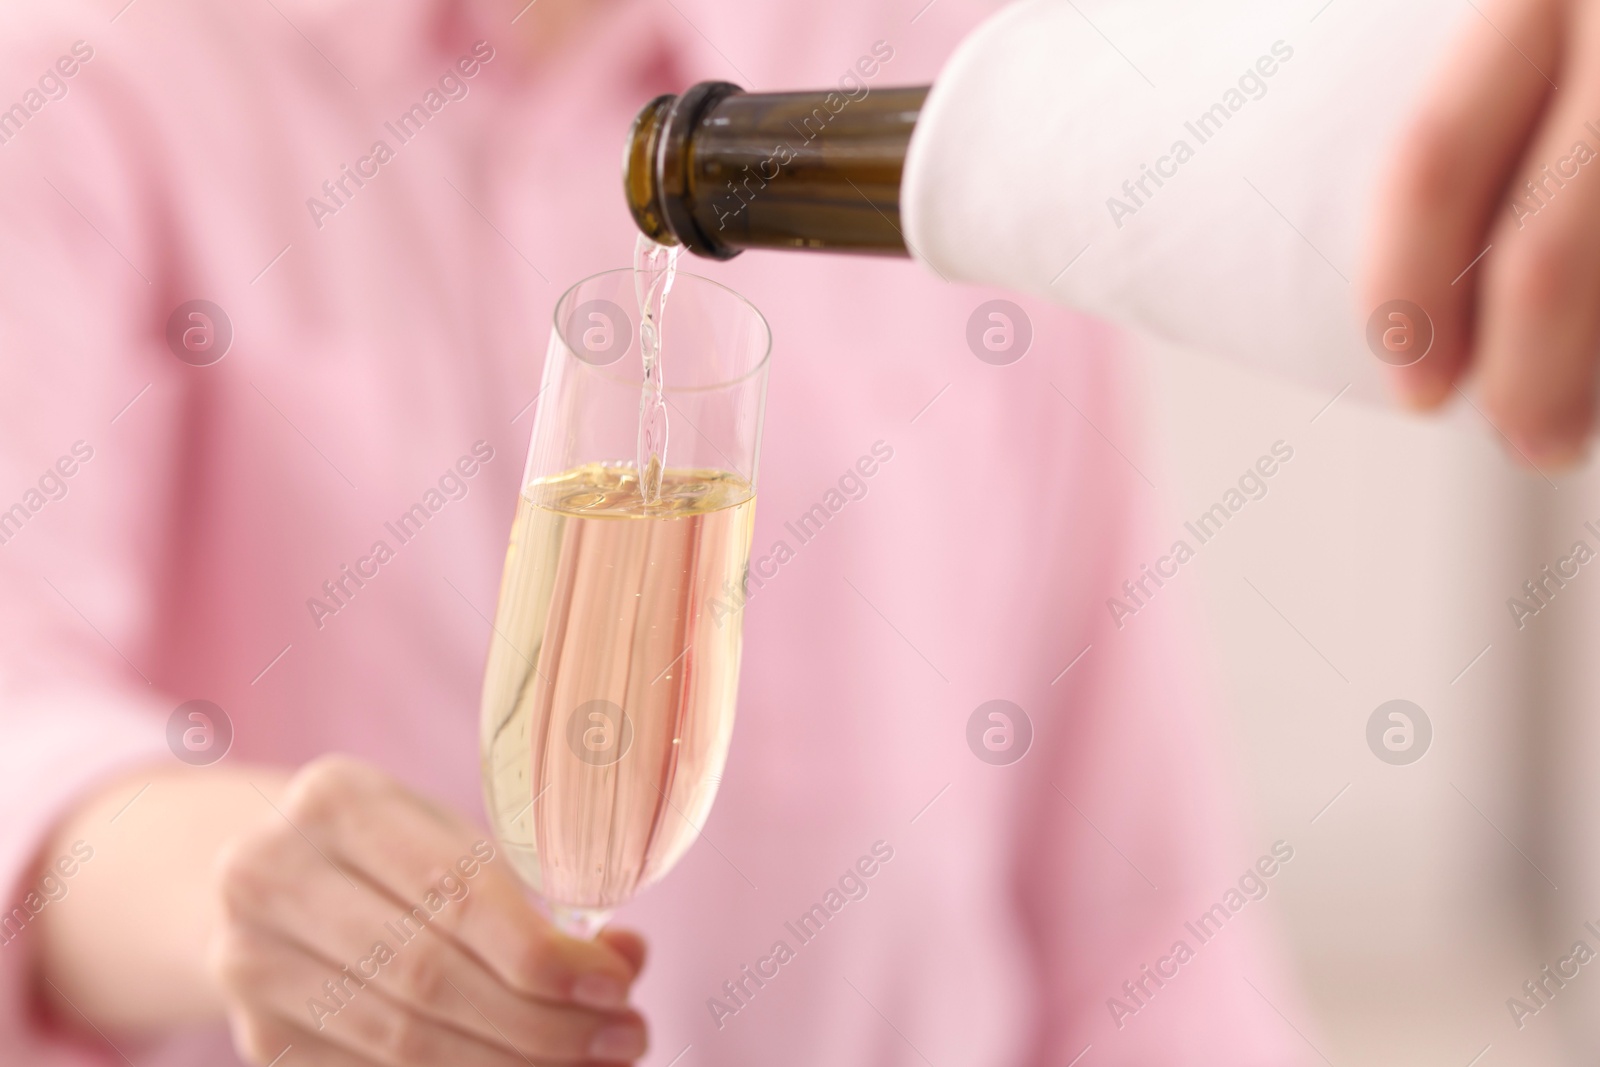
(639, 171)
(655, 168)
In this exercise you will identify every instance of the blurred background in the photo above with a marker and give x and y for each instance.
(1379, 567)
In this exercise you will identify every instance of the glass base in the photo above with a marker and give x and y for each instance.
(581, 923)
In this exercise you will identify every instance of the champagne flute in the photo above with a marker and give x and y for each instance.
(609, 694)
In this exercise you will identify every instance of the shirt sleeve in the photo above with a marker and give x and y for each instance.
(92, 416)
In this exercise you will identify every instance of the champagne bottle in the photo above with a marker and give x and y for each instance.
(718, 170)
(1225, 212)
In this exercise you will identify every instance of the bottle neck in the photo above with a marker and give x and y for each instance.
(719, 170)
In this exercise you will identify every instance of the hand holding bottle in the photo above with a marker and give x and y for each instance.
(1483, 218)
(1496, 164)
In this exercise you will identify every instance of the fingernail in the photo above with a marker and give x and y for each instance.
(618, 1041)
(600, 991)
(1420, 392)
(1553, 453)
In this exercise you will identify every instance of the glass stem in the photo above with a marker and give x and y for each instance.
(581, 923)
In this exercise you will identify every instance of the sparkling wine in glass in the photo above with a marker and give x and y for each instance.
(609, 694)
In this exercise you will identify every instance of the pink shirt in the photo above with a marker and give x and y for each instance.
(176, 520)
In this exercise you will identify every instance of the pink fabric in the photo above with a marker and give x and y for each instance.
(372, 351)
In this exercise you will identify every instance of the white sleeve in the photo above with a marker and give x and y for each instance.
(1200, 171)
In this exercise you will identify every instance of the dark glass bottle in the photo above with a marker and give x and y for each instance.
(719, 170)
